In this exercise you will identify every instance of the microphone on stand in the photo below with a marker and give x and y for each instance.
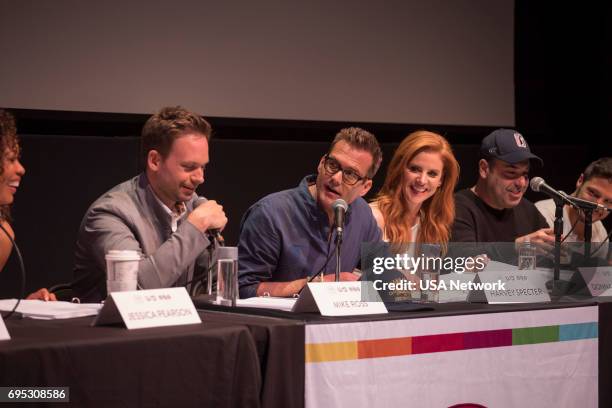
(538, 185)
(587, 207)
(216, 237)
(340, 207)
(215, 233)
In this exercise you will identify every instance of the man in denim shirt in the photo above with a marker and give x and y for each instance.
(286, 236)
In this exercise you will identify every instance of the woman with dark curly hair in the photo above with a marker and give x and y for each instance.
(11, 172)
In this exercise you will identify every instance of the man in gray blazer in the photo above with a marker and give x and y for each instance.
(154, 212)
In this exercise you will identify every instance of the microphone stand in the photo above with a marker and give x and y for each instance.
(558, 287)
(587, 207)
(210, 273)
(216, 241)
(210, 295)
(588, 231)
(558, 232)
(339, 233)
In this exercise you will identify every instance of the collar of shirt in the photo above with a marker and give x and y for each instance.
(496, 212)
(179, 212)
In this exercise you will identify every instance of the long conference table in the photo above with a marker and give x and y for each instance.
(444, 355)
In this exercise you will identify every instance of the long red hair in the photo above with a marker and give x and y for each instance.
(437, 212)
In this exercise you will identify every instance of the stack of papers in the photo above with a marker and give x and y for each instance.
(37, 309)
(267, 302)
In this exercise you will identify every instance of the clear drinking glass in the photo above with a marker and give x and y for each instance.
(227, 275)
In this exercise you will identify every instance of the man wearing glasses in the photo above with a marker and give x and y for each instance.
(494, 210)
(287, 236)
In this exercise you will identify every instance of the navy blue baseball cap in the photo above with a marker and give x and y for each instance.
(507, 145)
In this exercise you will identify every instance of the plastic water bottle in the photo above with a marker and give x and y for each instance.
(527, 255)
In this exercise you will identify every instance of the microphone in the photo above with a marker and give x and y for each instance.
(340, 207)
(538, 184)
(214, 232)
(586, 203)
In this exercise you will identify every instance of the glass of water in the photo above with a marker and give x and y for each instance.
(527, 256)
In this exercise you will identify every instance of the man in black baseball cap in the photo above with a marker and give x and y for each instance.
(507, 145)
(494, 210)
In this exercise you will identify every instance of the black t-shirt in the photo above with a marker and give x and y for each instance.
(475, 221)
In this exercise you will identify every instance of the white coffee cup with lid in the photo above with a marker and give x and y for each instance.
(122, 270)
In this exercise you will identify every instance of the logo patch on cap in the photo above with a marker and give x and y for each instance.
(520, 141)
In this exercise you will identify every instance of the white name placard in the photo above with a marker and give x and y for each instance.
(456, 287)
(139, 309)
(4, 334)
(510, 286)
(339, 299)
(598, 280)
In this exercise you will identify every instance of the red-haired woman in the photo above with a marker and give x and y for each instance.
(415, 204)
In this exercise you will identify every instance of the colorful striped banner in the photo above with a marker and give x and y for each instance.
(402, 346)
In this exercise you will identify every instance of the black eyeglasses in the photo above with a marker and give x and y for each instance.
(349, 176)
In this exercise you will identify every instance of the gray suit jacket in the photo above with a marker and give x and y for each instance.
(130, 217)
